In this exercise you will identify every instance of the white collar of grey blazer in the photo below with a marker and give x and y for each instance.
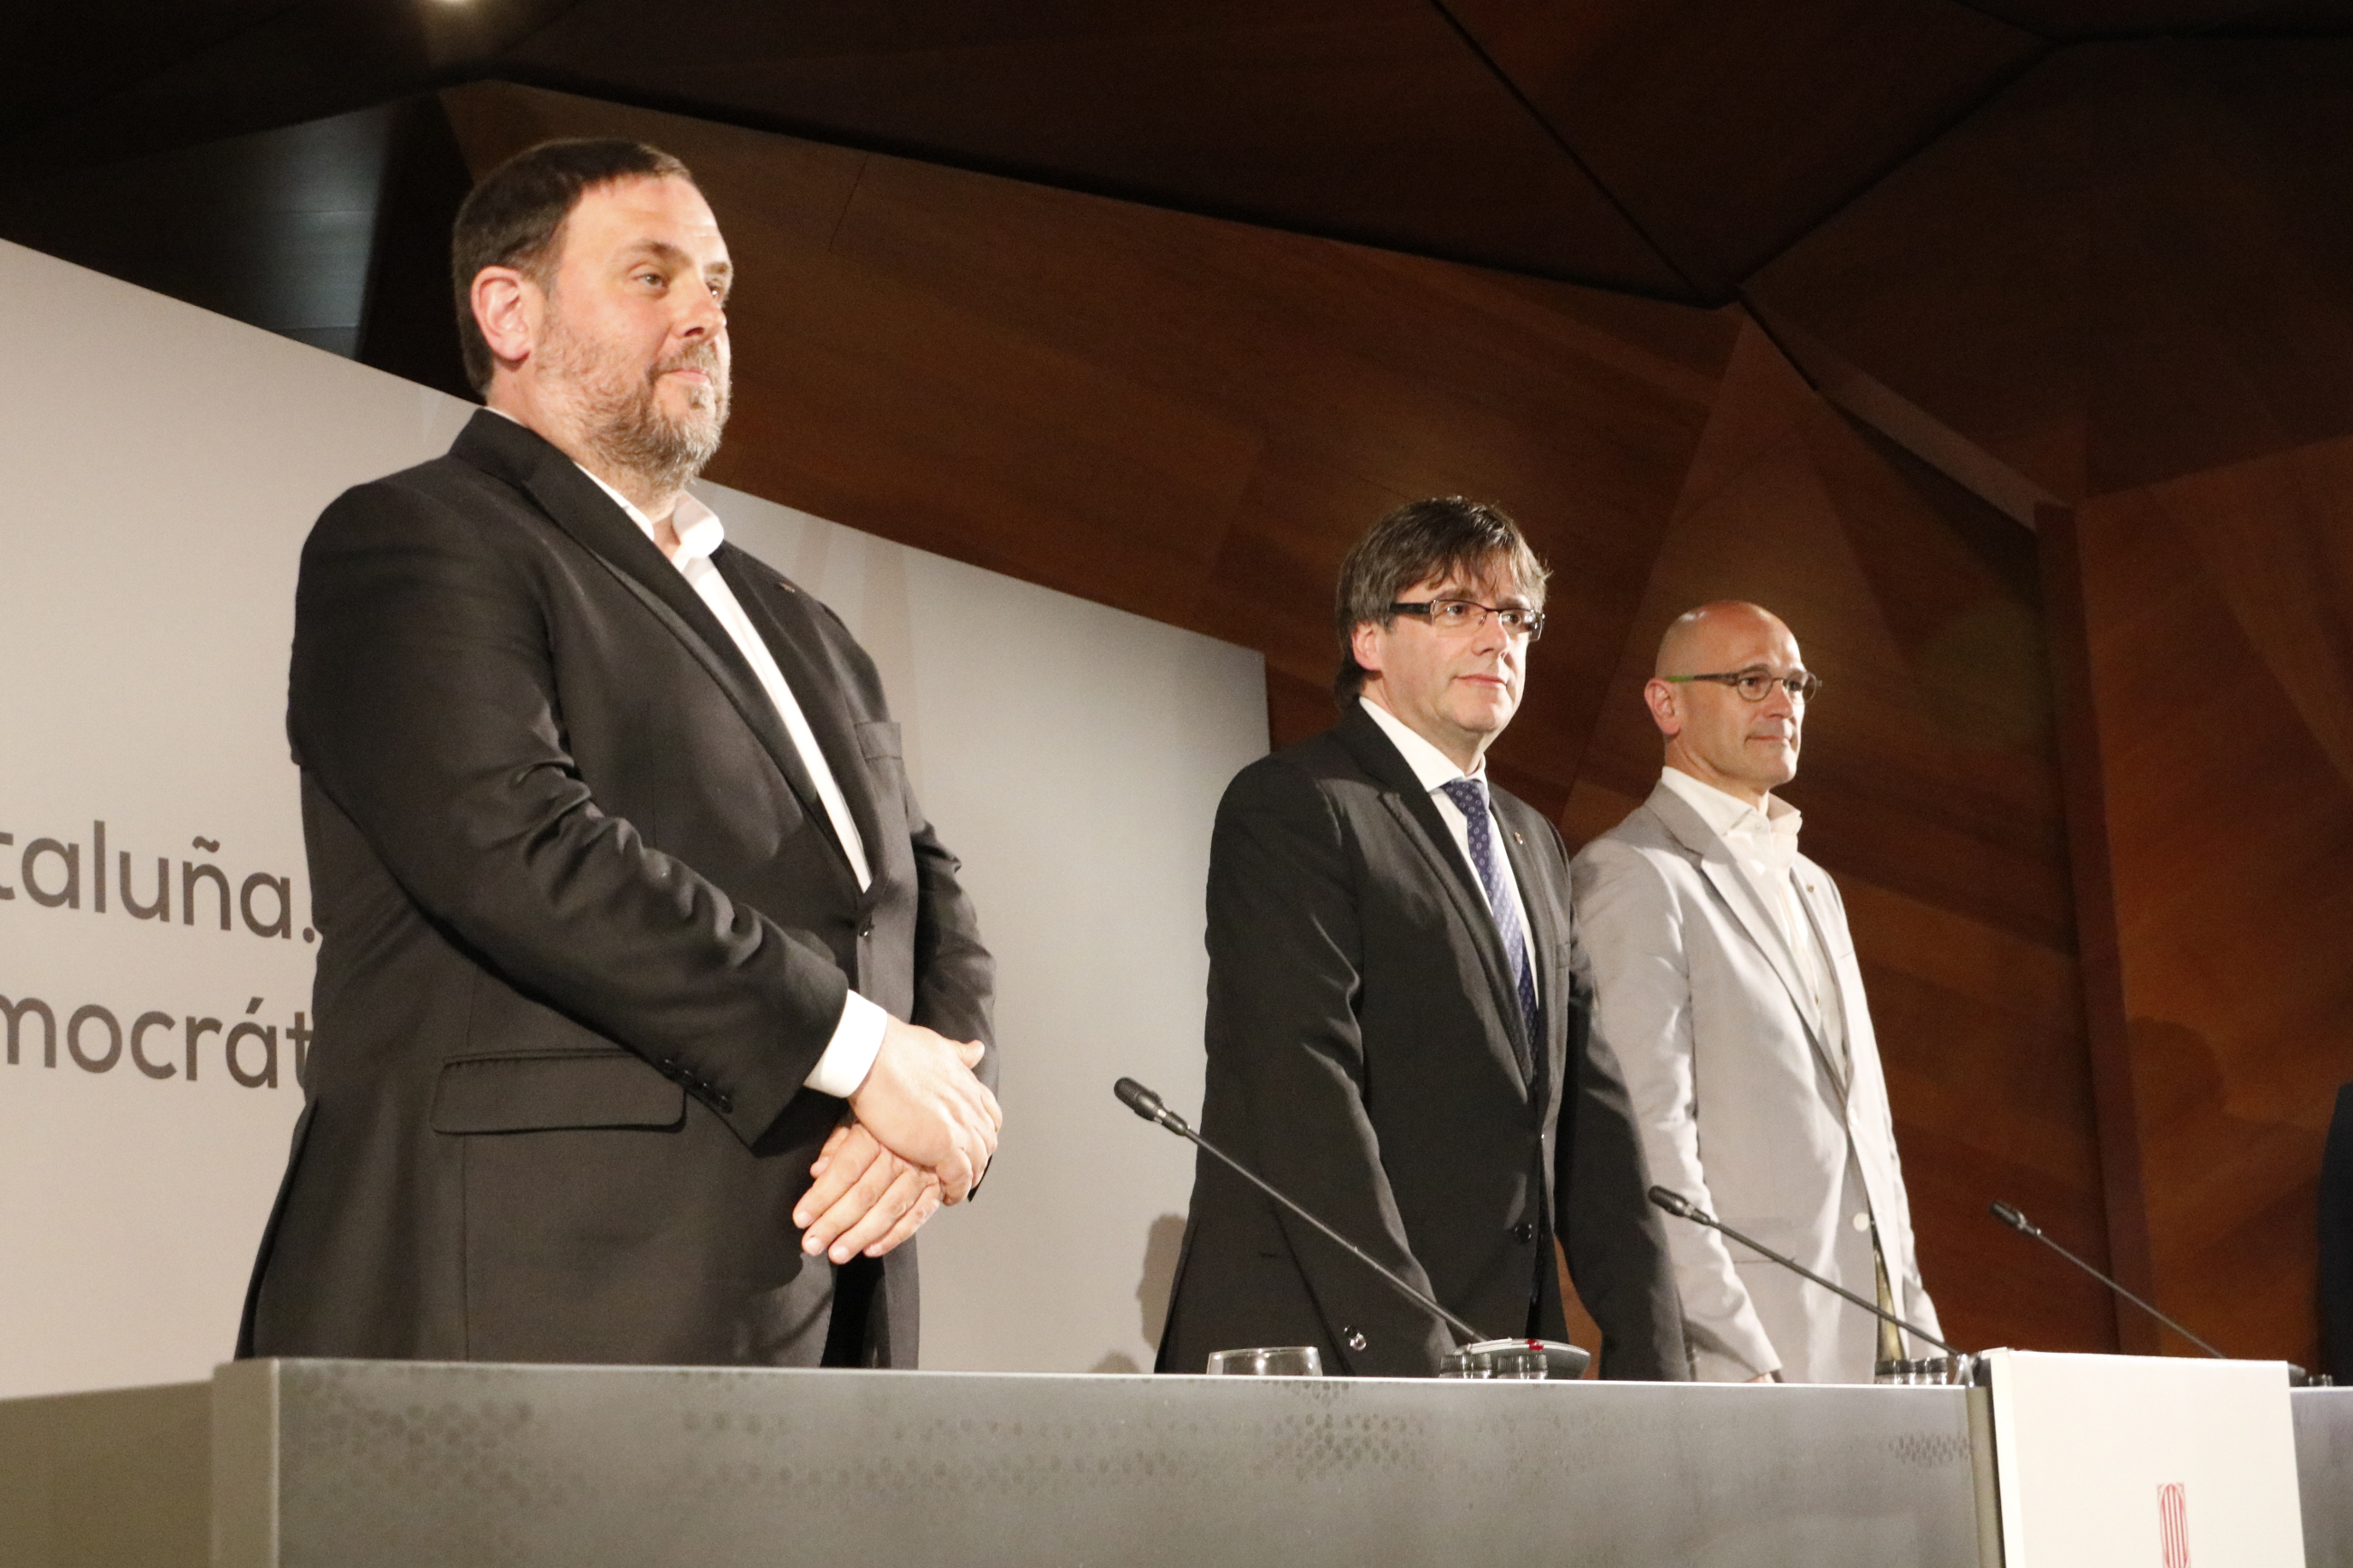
(1747, 901)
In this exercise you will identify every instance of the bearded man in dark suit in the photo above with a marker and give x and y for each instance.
(651, 1021)
(1393, 1035)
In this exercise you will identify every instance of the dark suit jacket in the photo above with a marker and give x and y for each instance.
(585, 930)
(2335, 1273)
(1364, 1050)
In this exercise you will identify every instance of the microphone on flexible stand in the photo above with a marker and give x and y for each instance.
(2025, 1226)
(1147, 1104)
(1683, 1207)
(1562, 1360)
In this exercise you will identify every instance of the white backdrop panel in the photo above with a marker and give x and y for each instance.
(163, 465)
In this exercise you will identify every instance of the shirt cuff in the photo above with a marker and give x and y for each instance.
(849, 1054)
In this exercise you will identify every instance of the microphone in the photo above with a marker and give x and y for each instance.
(1683, 1207)
(1147, 1105)
(2025, 1226)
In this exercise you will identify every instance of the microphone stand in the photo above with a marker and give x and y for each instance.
(1147, 1104)
(1683, 1207)
(2025, 1226)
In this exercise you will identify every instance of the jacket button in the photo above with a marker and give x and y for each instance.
(1524, 1233)
(1354, 1338)
(866, 929)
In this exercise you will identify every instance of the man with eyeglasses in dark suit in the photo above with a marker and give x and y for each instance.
(1393, 1036)
(1724, 983)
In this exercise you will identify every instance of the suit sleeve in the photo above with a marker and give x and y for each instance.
(955, 977)
(1630, 956)
(1285, 959)
(422, 701)
(1912, 1300)
(1613, 1236)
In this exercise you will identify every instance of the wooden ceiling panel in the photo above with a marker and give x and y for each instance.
(1664, 147)
(2072, 19)
(1365, 119)
(1959, 283)
(2136, 263)
(60, 58)
(2296, 16)
(230, 70)
(2223, 287)
(1730, 129)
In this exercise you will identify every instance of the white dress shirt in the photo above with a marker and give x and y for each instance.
(1433, 769)
(858, 1035)
(1766, 845)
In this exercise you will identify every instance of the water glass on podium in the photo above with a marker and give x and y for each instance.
(1268, 1360)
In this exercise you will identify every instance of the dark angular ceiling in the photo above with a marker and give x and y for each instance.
(1670, 148)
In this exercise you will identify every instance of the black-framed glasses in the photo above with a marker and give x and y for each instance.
(1754, 684)
(1466, 615)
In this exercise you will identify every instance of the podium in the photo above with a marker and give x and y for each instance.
(298, 1464)
(2323, 1466)
(2108, 1461)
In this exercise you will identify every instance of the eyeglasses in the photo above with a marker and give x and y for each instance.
(1752, 684)
(1466, 615)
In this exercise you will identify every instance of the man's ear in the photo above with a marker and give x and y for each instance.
(507, 308)
(1664, 700)
(1365, 643)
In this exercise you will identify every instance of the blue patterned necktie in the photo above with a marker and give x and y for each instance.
(1471, 796)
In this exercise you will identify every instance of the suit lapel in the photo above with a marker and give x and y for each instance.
(1809, 897)
(1410, 805)
(575, 503)
(785, 617)
(1747, 903)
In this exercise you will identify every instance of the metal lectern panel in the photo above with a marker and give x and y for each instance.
(2323, 1471)
(416, 1465)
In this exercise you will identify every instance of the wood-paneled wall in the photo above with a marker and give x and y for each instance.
(1192, 419)
(2129, 284)
(2217, 606)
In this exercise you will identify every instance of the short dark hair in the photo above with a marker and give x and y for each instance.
(514, 217)
(1445, 536)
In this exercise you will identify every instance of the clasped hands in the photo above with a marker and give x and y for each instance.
(921, 1132)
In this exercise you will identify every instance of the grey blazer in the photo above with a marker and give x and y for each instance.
(1743, 1103)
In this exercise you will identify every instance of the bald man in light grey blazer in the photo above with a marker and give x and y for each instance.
(1724, 984)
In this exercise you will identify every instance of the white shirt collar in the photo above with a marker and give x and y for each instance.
(1728, 814)
(1431, 767)
(699, 529)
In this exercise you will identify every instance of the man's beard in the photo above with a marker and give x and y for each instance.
(621, 418)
